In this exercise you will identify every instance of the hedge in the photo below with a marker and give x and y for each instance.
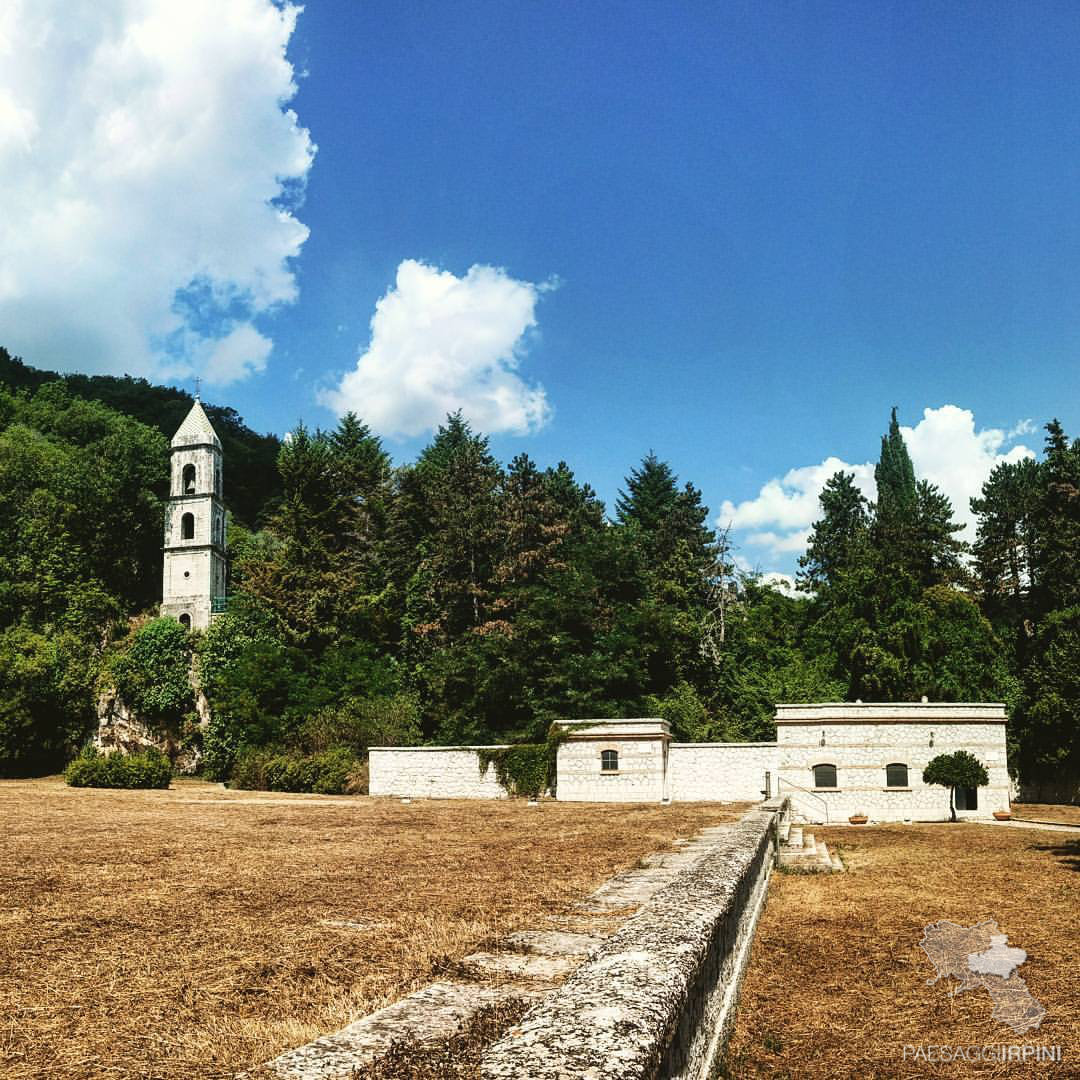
(145, 769)
(333, 772)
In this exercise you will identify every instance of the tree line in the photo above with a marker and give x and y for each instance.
(458, 599)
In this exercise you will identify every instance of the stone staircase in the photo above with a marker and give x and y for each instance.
(800, 849)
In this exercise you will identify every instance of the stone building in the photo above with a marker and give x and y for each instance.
(832, 760)
(194, 579)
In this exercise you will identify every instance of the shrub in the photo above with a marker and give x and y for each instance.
(151, 671)
(145, 769)
(289, 772)
(249, 770)
(333, 772)
(362, 722)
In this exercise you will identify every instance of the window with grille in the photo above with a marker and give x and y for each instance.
(609, 760)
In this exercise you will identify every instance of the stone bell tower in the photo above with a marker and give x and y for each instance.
(194, 581)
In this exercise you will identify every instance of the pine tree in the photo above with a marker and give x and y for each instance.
(1056, 524)
(897, 496)
(839, 537)
(1003, 548)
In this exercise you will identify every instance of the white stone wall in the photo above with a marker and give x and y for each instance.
(641, 744)
(433, 772)
(724, 772)
(861, 740)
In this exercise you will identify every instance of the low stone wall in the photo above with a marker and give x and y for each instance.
(657, 998)
(724, 772)
(433, 772)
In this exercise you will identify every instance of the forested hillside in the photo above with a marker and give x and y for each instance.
(463, 600)
(251, 458)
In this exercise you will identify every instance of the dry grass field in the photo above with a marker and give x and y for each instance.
(1056, 813)
(197, 931)
(837, 982)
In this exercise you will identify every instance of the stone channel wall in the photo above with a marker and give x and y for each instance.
(657, 998)
(433, 772)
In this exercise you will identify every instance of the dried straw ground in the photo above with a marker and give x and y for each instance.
(194, 932)
(1061, 815)
(837, 983)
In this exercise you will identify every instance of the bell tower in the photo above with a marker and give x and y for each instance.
(194, 580)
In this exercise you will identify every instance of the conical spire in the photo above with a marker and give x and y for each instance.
(196, 428)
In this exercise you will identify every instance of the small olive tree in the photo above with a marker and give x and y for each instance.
(959, 769)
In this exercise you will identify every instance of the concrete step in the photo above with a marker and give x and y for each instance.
(812, 854)
(795, 837)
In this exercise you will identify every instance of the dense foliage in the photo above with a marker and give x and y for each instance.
(461, 600)
(146, 769)
(332, 772)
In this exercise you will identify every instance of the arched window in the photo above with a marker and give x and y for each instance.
(185, 621)
(187, 527)
(896, 775)
(824, 776)
(188, 484)
(609, 760)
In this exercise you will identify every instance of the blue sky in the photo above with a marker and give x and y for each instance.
(735, 234)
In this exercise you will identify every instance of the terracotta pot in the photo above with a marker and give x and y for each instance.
(858, 819)
(1002, 815)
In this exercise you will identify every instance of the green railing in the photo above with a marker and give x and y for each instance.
(219, 605)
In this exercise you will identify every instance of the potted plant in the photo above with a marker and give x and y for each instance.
(1002, 815)
(858, 818)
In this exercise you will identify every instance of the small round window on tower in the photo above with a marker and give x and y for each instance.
(187, 573)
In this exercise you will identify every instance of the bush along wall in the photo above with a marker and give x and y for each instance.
(146, 769)
(333, 772)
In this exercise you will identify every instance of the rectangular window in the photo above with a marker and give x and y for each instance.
(896, 776)
(967, 798)
(609, 760)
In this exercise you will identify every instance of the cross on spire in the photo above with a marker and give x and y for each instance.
(198, 383)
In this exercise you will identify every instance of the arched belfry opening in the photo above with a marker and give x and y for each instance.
(187, 527)
(187, 483)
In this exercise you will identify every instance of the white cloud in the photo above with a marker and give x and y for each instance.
(945, 449)
(440, 343)
(790, 504)
(242, 352)
(146, 152)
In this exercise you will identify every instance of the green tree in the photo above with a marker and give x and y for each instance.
(152, 672)
(959, 769)
(1003, 552)
(839, 538)
(46, 700)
